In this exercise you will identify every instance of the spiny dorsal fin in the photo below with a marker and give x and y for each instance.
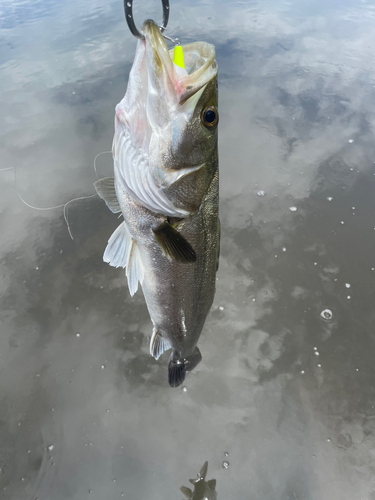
(106, 190)
(158, 344)
(173, 244)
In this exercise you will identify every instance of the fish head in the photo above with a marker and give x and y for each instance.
(171, 115)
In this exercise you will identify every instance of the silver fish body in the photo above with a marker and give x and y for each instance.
(166, 184)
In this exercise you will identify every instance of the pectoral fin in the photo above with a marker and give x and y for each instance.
(106, 190)
(158, 344)
(173, 244)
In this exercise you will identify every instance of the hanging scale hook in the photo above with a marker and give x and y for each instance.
(128, 5)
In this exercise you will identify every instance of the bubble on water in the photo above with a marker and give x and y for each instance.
(184, 389)
(261, 193)
(316, 353)
(22, 479)
(78, 334)
(348, 297)
(293, 209)
(342, 222)
(329, 198)
(347, 285)
(302, 372)
(350, 141)
(226, 454)
(102, 367)
(107, 410)
(284, 249)
(315, 348)
(328, 440)
(221, 308)
(326, 314)
(50, 447)
(319, 366)
(225, 465)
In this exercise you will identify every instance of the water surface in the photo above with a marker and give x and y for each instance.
(86, 413)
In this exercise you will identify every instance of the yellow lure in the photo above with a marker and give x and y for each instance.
(178, 56)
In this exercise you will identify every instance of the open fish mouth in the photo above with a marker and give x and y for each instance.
(200, 64)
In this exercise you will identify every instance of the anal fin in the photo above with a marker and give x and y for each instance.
(158, 344)
(173, 244)
(186, 491)
(106, 190)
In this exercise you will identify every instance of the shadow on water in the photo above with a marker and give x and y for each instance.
(202, 489)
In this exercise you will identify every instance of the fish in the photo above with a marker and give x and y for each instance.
(203, 490)
(166, 187)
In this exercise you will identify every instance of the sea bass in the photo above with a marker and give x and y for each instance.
(166, 184)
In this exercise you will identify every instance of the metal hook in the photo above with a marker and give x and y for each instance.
(128, 5)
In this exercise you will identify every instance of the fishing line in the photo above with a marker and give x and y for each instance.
(103, 153)
(64, 205)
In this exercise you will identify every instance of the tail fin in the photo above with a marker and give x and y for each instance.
(177, 369)
(176, 373)
(192, 361)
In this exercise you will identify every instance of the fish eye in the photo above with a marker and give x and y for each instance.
(210, 117)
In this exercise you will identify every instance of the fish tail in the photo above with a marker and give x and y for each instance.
(176, 372)
(193, 360)
(177, 368)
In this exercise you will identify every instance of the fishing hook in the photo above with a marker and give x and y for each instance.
(128, 5)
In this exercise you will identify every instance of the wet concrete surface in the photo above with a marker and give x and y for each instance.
(85, 412)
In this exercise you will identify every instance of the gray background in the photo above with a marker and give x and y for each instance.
(297, 83)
